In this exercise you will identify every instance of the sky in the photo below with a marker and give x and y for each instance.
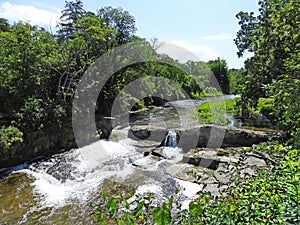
(204, 27)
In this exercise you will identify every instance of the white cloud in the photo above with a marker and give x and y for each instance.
(201, 52)
(28, 13)
(217, 37)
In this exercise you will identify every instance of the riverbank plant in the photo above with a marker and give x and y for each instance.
(10, 136)
(272, 72)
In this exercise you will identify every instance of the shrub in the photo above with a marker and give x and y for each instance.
(265, 106)
(9, 136)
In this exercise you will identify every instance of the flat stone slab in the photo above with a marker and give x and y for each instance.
(180, 171)
(210, 158)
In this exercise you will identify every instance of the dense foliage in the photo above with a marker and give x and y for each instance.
(236, 80)
(39, 73)
(220, 70)
(273, 71)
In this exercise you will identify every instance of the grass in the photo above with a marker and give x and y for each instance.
(213, 112)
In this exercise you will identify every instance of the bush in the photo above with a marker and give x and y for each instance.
(9, 136)
(265, 106)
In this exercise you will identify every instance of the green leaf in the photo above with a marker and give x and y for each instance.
(162, 215)
(138, 209)
(195, 209)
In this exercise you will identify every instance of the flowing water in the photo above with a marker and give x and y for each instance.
(58, 190)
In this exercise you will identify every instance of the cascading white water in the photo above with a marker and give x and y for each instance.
(171, 139)
(80, 172)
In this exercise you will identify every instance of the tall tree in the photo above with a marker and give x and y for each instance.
(4, 25)
(220, 71)
(236, 78)
(273, 36)
(120, 20)
(73, 11)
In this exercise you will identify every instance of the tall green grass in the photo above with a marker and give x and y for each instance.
(213, 112)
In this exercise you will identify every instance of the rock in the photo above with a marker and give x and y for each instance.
(216, 168)
(213, 189)
(147, 132)
(210, 136)
(254, 161)
(180, 171)
(210, 158)
(38, 145)
(222, 177)
(206, 163)
(247, 172)
(118, 134)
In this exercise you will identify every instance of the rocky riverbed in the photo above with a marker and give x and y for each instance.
(215, 169)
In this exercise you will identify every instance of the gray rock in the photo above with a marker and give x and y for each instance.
(181, 171)
(254, 161)
(213, 189)
(216, 179)
(210, 136)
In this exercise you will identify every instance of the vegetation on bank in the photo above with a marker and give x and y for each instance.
(213, 112)
(272, 37)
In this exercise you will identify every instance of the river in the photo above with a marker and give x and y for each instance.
(58, 190)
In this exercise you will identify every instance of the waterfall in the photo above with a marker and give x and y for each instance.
(171, 139)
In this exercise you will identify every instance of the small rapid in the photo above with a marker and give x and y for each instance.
(76, 174)
(171, 139)
(67, 182)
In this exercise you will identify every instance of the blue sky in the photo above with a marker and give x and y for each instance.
(206, 28)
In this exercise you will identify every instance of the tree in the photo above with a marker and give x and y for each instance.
(25, 54)
(236, 78)
(220, 71)
(26, 77)
(273, 37)
(4, 25)
(73, 11)
(119, 20)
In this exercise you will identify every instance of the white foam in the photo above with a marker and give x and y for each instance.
(175, 154)
(94, 154)
(149, 188)
(87, 174)
(189, 189)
